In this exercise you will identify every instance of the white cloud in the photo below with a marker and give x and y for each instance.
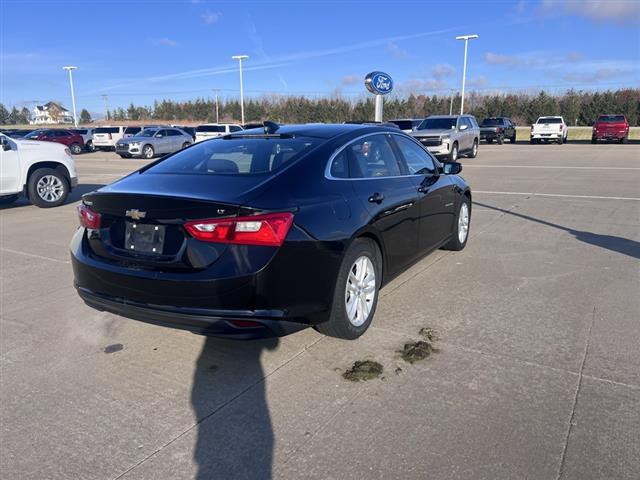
(442, 70)
(599, 11)
(417, 85)
(210, 17)
(594, 76)
(394, 50)
(350, 80)
(498, 59)
(478, 82)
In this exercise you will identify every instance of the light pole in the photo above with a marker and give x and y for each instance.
(215, 90)
(466, 39)
(240, 58)
(105, 98)
(70, 68)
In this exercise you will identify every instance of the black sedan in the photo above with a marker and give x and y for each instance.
(266, 232)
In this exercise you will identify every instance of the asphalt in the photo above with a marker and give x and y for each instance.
(536, 373)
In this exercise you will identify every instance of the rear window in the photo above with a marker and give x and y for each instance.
(549, 120)
(132, 130)
(403, 124)
(236, 156)
(437, 124)
(492, 122)
(106, 130)
(611, 118)
(210, 128)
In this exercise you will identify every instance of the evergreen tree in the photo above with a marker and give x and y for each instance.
(85, 116)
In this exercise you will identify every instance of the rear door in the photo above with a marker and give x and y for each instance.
(388, 194)
(436, 194)
(162, 142)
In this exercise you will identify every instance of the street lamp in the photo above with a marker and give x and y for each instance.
(240, 58)
(70, 68)
(466, 39)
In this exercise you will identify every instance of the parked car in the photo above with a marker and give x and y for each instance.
(247, 126)
(497, 128)
(44, 172)
(408, 125)
(66, 137)
(87, 137)
(105, 138)
(130, 131)
(448, 136)
(190, 130)
(549, 128)
(153, 141)
(212, 130)
(265, 234)
(611, 127)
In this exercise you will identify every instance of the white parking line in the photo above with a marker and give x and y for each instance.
(9, 250)
(551, 166)
(532, 194)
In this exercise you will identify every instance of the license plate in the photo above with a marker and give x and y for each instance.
(143, 238)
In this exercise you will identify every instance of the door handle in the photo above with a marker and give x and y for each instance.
(423, 189)
(376, 198)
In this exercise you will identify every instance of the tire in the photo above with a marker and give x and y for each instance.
(513, 139)
(124, 155)
(47, 188)
(624, 139)
(185, 144)
(75, 148)
(453, 156)
(594, 140)
(89, 146)
(148, 152)
(458, 240)
(489, 140)
(340, 323)
(7, 200)
(532, 141)
(560, 140)
(474, 150)
(500, 140)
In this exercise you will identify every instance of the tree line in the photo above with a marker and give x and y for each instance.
(577, 108)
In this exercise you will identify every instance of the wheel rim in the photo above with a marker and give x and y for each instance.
(454, 152)
(50, 188)
(360, 291)
(475, 148)
(75, 148)
(148, 152)
(463, 223)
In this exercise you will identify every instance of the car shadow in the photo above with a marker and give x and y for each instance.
(74, 196)
(235, 437)
(621, 245)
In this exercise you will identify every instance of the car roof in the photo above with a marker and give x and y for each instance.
(327, 131)
(447, 116)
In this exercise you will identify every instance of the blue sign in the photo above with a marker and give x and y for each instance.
(378, 83)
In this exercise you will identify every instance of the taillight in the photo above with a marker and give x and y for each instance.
(498, 130)
(560, 127)
(88, 218)
(268, 230)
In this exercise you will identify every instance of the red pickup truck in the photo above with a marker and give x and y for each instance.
(610, 127)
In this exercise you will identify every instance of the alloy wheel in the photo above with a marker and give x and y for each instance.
(50, 188)
(463, 223)
(360, 291)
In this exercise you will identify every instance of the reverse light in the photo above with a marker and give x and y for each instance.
(268, 230)
(88, 218)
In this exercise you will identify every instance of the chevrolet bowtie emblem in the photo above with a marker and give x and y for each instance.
(135, 214)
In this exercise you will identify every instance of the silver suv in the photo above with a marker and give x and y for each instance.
(153, 141)
(449, 136)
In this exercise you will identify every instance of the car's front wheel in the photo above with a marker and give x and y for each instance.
(47, 188)
(356, 292)
(474, 150)
(460, 234)
(147, 151)
(75, 148)
(453, 155)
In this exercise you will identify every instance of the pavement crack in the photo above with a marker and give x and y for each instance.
(575, 397)
(219, 408)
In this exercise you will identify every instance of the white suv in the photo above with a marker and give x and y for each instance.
(44, 172)
(105, 138)
(212, 130)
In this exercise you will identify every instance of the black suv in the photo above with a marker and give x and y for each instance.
(497, 128)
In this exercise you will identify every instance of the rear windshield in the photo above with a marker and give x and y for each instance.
(106, 130)
(236, 156)
(491, 122)
(549, 120)
(132, 130)
(611, 118)
(404, 124)
(437, 124)
(210, 128)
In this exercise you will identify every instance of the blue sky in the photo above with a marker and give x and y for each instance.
(138, 51)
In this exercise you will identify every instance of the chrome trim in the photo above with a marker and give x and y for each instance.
(327, 170)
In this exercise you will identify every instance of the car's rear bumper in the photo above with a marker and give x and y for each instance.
(610, 135)
(488, 135)
(542, 136)
(238, 324)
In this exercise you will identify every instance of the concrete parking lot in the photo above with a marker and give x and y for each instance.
(537, 373)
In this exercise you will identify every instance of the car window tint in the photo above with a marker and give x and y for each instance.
(234, 128)
(372, 157)
(418, 160)
(339, 166)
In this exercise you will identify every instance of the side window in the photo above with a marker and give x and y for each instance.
(372, 157)
(339, 166)
(418, 160)
(234, 128)
(467, 122)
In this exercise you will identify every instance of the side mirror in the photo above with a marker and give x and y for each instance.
(463, 127)
(453, 168)
(159, 135)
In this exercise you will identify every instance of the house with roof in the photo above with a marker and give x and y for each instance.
(51, 113)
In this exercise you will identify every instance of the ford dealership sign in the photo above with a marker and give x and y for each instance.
(378, 83)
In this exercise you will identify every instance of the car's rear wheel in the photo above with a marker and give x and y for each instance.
(75, 148)
(356, 293)
(594, 140)
(500, 139)
(147, 151)
(474, 150)
(47, 188)
(453, 155)
(8, 199)
(489, 140)
(624, 139)
(460, 234)
(185, 144)
(89, 146)
(560, 140)
(513, 139)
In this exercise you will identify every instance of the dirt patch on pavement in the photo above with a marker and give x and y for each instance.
(363, 370)
(414, 352)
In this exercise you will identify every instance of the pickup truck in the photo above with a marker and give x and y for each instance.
(44, 172)
(610, 127)
(497, 128)
(549, 128)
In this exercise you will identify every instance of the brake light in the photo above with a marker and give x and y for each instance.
(498, 130)
(560, 127)
(88, 218)
(267, 230)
